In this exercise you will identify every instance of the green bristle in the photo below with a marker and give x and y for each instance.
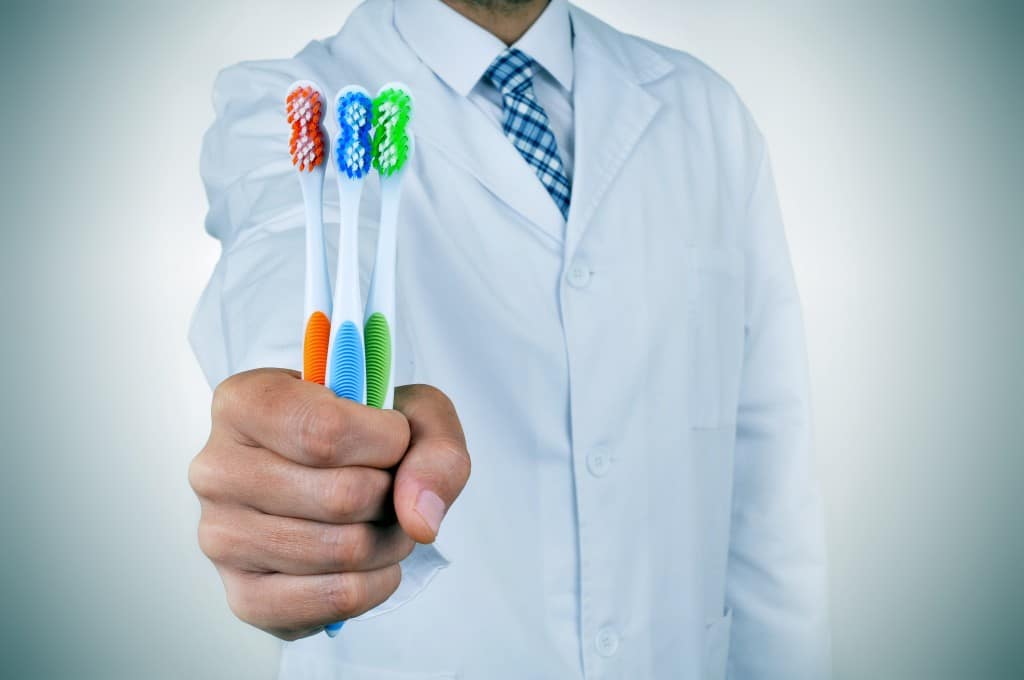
(392, 111)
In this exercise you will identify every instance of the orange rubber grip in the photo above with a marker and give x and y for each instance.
(314, 348)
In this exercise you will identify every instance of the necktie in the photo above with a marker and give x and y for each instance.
(526, 123)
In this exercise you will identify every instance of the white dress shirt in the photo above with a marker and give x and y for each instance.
(432, 28)
(632, 381)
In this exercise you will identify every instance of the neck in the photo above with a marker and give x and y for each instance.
(506, 19)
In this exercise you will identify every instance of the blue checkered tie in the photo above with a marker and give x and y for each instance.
(527, 125)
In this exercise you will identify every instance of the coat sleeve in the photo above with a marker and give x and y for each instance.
(776, 574)
(250, 314)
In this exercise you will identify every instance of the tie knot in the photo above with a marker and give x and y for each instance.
(511, 72)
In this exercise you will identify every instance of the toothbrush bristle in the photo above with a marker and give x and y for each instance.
(305, 115)
(355, 118)
(392, 110)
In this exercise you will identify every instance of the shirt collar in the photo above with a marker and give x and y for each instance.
(431, 28)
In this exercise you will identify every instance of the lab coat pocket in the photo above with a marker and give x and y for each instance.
(716, 647)
(715, 334)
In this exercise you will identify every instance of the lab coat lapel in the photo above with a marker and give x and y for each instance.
(612, 111)
(453, 126)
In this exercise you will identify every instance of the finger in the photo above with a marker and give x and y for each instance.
(229, 473)
(295, 606)
(252, 541)
(306, 422)
(436, 466)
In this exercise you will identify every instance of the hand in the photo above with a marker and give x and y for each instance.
(304, 512)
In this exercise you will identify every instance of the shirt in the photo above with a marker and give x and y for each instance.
(631, 380)
(431, 28)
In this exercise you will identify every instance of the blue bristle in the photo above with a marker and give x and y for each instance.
(354, 150)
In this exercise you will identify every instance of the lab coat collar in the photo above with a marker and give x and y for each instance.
(459, 51)
(612, 111)
(633, 58)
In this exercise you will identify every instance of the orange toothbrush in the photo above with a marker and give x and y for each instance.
(305, 106)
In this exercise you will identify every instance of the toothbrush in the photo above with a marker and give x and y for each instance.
(304, 104)
(392, 148)
(345, 361)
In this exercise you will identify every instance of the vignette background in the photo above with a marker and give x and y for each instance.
(896, 137)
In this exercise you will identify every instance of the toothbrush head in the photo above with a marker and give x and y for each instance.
(354, 150)
(305, 115)
(392, 142)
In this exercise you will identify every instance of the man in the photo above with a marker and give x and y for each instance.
(593, 270)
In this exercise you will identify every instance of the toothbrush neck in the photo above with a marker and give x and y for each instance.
(506, 19)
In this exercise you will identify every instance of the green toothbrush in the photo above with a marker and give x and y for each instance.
(392, 148)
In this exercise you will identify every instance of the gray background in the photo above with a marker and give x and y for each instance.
(896, 136)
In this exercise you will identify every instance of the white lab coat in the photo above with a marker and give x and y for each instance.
(632, 382)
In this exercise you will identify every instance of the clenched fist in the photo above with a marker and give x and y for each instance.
(310, 501)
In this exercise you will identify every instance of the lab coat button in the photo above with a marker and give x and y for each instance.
(607, 642)
(578, 275)
(599, 462)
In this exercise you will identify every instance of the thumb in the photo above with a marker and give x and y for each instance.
(436, 465)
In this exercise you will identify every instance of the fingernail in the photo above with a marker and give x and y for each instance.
(431, 508)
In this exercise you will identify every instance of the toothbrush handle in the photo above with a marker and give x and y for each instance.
(379, 330)
(346, 368)
(345, 364)
(317, 292)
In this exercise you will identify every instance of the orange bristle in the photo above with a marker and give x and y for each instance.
(305, 113)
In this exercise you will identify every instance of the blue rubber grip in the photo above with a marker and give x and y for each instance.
(348, 367)
(333, 628)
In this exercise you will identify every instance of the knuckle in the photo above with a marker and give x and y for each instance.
(214, 540)
(346, 594)
(431, 393)
(430, 398)
(394, 574)
(353, 546)
(225, 394)
(206, 473)
(455, 459)
(236, 604)
(241, 598)
(462, 464)
(246, 598)
(335, 505)
(201, 475)
(341, 495)
(291, 634)
(322, 430)
(241, 393)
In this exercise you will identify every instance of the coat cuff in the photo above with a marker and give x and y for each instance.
(418, 570)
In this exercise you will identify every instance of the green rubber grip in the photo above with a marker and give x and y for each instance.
(377, 340)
